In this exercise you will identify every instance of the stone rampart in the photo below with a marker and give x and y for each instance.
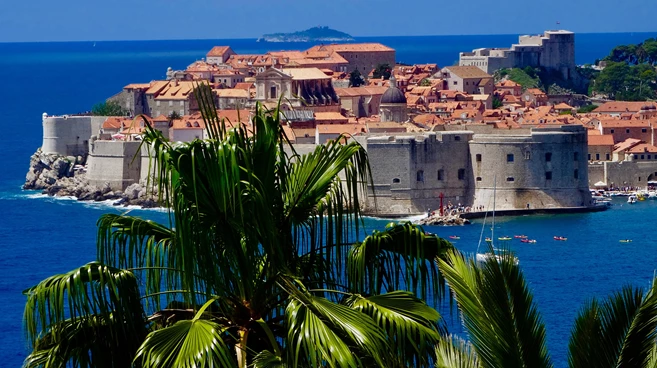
(69, 135)
(116, 163)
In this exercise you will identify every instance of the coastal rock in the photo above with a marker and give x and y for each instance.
(437, 220)
(46, 169)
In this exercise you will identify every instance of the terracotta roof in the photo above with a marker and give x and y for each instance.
(305, 73)
(626, 144)
(615, 123)
(231, 116)
(176, 90)
(352, 129)
(428, 119)
(360, 91)
(352, 47)
(188, 122)
(601, 140)
(507, 84)
(330, 116)
(467, 72)
(484, 81)
(536, 92)
(243, 85)
(643, 147)
(219, 50)
(385, 125)
(562, 106)
(621, 106)
(138, 86)
(162, 117)
(232, 93)
(303, 132)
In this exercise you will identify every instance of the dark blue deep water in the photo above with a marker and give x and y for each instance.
(43, 236)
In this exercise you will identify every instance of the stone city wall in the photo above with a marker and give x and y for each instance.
(623, 173)
(117, 163)
(69, 135)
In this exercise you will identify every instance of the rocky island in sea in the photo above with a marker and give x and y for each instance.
(315, 34)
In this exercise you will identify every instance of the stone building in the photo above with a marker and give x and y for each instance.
(219, 55)
(361, 101)
(545, 168)
(554, 50)
(393, 104)
(468, 79)
(360, 56)
(299, 86)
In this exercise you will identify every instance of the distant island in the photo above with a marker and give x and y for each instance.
(315, 34)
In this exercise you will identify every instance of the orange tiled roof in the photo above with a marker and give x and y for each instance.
(626, 144)
(219, 50)
(643, 148)
(352, 47)
(467, 72)
(601, 140)
(360, 91)
(621, 106)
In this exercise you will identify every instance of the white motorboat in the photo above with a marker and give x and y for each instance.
(631, 199)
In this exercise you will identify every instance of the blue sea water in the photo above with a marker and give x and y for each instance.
(43, 236)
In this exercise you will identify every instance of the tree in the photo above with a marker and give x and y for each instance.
(109, 108)
(174, 116)
(426, 82)
(506, 329)
(356, 79)
(260, 265)
(497, 103)
(382, 71)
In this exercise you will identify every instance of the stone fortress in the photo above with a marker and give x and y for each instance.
(554, 50)
(541, 168)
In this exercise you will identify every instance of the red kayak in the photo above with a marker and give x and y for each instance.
(520, 236)
(560, 238)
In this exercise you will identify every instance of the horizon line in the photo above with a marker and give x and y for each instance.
(256, 38)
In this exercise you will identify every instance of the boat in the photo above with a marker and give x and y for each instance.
(504, 238)
(498, 254)
(560, 238)
(520, 236)
(524, 240)
(489, 240)
(532, 241)
(454, 237)
(626, 240)
(631, 199)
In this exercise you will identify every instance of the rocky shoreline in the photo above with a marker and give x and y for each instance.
(65, 176)
(448, 220)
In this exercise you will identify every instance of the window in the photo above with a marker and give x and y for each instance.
(644, 130)
(272, 92)
(170, 103)
(157, 103)
(612, 131)
(420, 175)
(607, 157)
(639, 178)
(643, 157)
(548, 175)
(589, 157)
(597, 156)
(548, 157)
(528, 155)
(461, 174)
(395, 181)
(457, 138)
(478, 157)
(510, 178)
(454, 82)
(575, 156)
(509, 157)
(649, 157)
(441, 174)
(478, 178)
(576, 174)
(627, 130)
(182, 103)
(182, 112)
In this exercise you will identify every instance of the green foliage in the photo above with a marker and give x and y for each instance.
(586, 109)
(521, 77)
(645, 52)
(622, 81)
(266, 243)
(109, 108)
(497, 103)
(356, 79)
(382, 71)
(174, 116)
(425, 82)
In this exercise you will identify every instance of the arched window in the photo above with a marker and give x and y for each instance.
(395, 181)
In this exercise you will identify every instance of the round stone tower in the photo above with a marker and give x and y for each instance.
(393, 104)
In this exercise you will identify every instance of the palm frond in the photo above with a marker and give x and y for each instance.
(99, 301)
(454, 352)
(619, 332)
(401, 257)
(498, 311)
(267, 359)
(411, 325)
(187, 344)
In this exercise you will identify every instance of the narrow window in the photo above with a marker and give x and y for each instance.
(548, 157)
(576, 174)
(461, 174)
(509, 157)
(395, 181)
(612, 131)
(548, 175)
(272, 92)
(607, 157)
(639, 178)
(510, 178)
(528, 155)
(441, 174)
(478, 178)
(575, 156)
(649, 157)
(644, 130)
(627, 130)
(597, 156)
(643, 157)
(420, 175)
(478, 157)
(589, 157)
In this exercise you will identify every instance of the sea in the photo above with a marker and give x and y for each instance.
(42, 236)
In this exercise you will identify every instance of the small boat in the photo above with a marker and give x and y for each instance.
(560, 238)
(520, 236)
(531, 241)
(489, 240)
(631, 199)
(626, 240)
(504, 238)
(454, 237)
(524, 240)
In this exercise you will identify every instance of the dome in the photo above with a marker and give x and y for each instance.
(393, 95)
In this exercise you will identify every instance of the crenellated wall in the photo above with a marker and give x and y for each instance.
(69, 135)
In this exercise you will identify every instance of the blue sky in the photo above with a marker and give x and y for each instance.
(83, 20)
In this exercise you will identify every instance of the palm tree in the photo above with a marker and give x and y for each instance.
(260, 264)
(505, 328)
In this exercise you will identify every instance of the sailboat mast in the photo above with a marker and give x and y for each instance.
(492, 229)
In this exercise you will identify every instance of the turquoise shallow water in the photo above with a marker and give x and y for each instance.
(42, 236)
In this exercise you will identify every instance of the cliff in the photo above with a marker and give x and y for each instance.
(315, 34)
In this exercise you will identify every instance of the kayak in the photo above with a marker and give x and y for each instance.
(520, 236)
(504, 238)
(532, 241)
(489, 240)
(454, 237)
(560, 238)
(626, 241)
